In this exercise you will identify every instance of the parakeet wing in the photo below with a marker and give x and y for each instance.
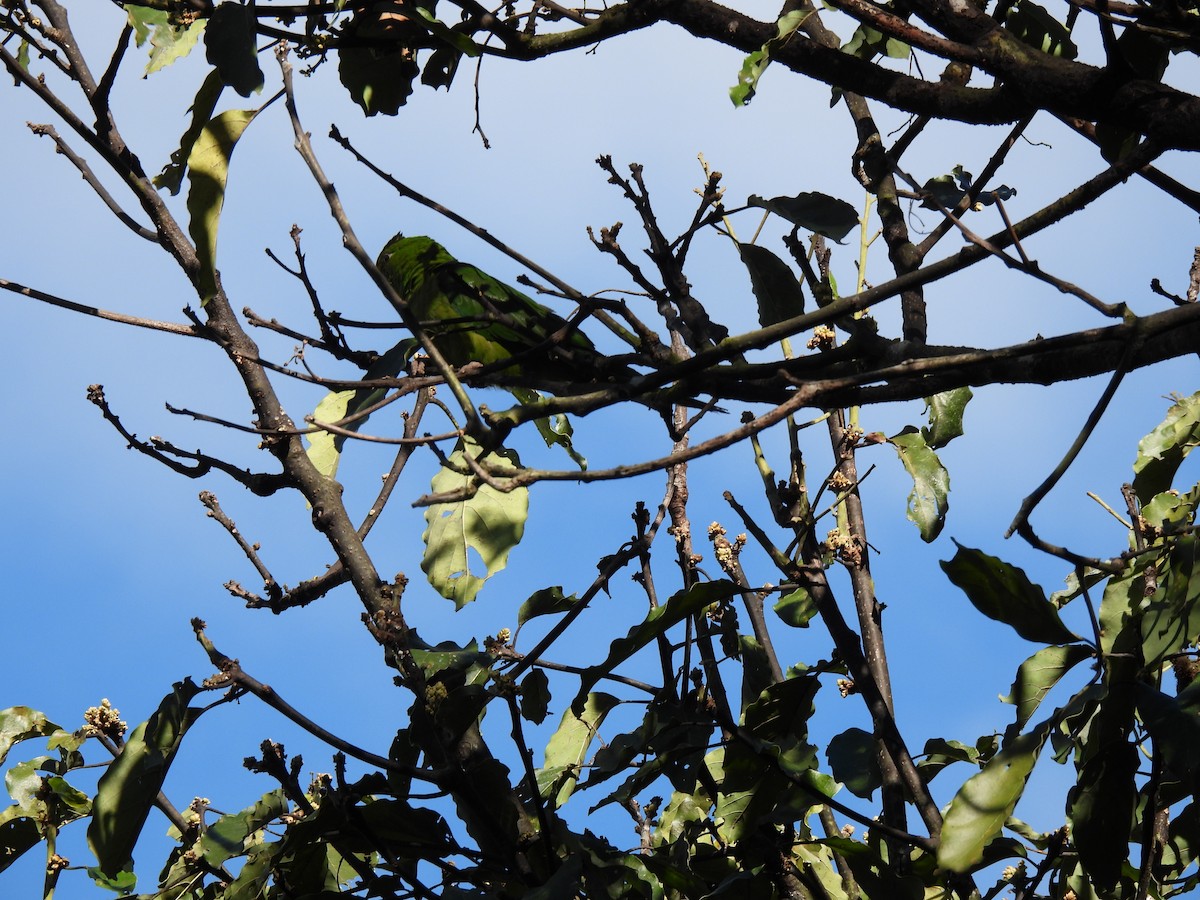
(471, 316)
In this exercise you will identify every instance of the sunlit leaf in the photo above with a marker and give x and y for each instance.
(325, 447)
(945, 416)
(456, 39)
(482, 529)
(756, 62)
(1170, 618)
(1005, 593)
(1163, 450)
(867, 43)
(208, 171)
(814, 211)
(169, 41)
(555, 430)
(774, 284)
(928, 501)
(568, 747)
(227, 836)
(229, 44)
(1038, 674)
(796, 608)
(20, 723)
(979, 809)
(131, 784)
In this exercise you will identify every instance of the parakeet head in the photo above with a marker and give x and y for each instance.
(406, 261)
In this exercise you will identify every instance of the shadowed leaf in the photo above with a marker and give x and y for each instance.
(131, 784)
(854, 760)
(229, 46)
(813, 210)
(1005, 593)
(774, 284)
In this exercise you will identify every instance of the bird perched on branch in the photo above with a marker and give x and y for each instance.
(472, 317)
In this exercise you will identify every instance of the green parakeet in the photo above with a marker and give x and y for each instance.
(472, 317)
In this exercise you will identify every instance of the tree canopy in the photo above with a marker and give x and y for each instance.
(694, 677)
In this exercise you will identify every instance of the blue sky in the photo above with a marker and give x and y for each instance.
(109, 554)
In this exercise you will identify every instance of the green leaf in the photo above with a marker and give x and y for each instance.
(229, 46)
(20, 723)
(555, 430)
(1005, 593)
(535, 696)
(1120, 613)
(945, 416)
(681, 605)
(774, 284)
(456, 39)
(867, 43)
(18, 834)
(854, 760)
(488, 524)
(1038, 674)
(1032, 25)
(23, 55)
(1163, 450)
(122, 883)
(171, 177)
(947, 190)
(1100, 809)
(168, 41)
(796, 608)
(325, 447)
(940, 753)
(130, 786)
(682, 812)
(547, 601)
(568, 747)
(208, 171)
(252, 880)
(1175, 730)
(441, 67)
(76, 801)
(979, 809)
(813, 210)
(927, 503)
(756, 63)
(226, 837)
(446, 657)
(1170, 618)
(24, 783)
(377, 82)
